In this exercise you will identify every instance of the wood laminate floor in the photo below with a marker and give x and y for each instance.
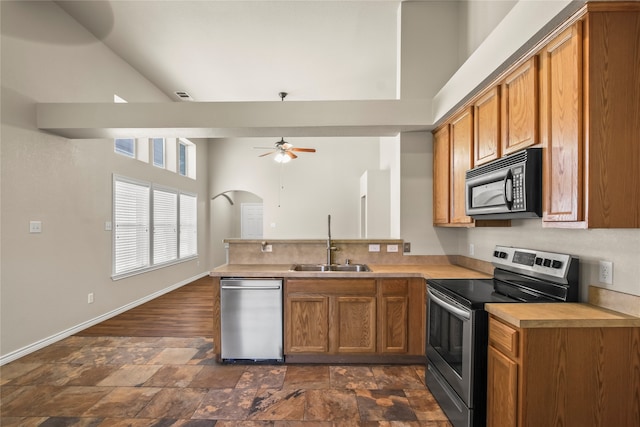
(186, 312)
(114, 375)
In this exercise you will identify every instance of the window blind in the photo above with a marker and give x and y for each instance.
(131, 218)
(165, 226)
(188, 225)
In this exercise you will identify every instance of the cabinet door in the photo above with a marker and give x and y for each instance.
(486, 117)
(441, 169)
(520, 108)
(307, 324)
(354, 324)
(393, 330)
(561, 119)
(502, 390)
(461, 161)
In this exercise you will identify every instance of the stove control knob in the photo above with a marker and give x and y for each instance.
(547, 262)
(538, 261)
(503, 254)
(496, 254)
(556, 264)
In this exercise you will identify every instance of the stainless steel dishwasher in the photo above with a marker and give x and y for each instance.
(251, 320)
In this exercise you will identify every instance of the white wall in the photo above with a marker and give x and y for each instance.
(67, 184)
(417, 195)
(477, 19)
(299, 195)
(428, 46)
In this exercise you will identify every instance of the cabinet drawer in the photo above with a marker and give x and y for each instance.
(331, 286)
(503, 337)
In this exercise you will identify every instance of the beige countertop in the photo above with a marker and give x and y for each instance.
(427, 271)
(565, 315)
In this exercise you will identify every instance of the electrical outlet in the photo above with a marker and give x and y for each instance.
(267, 248)
(90, 298)
(472, 249)
(606, 272)
(392, 248)
(374, 248)
(35, 227)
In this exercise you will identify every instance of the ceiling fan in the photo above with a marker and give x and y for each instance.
(283, 150)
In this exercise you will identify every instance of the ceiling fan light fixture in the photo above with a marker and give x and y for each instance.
(282, 158)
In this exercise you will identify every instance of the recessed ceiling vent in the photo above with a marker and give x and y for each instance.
(184, 96)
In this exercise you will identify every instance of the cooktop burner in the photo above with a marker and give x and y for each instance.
(472, 293)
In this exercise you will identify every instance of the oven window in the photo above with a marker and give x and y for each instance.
(445, 336)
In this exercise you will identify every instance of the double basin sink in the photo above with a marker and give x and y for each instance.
(331, 267)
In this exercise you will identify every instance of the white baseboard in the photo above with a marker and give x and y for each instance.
(21, 352)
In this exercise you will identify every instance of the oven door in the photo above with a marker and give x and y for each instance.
(450, 342)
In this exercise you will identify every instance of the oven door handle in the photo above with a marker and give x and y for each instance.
(448, 306)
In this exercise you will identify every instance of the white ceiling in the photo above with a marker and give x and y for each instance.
(252, 50)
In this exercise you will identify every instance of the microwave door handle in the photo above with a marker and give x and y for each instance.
(508, 190)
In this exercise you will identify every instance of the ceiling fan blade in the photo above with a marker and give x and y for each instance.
(306, 150)
(290, 154)
(266, 154)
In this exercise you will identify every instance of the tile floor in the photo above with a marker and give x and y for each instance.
(131, 381)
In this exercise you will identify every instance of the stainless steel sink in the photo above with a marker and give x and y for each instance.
(330, 267)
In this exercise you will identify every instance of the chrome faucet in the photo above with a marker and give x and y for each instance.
(330, 247)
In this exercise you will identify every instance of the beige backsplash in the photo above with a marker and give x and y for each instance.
(613, 300)
(356, 251)
(315, 252)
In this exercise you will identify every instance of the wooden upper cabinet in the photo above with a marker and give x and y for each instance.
(461, 160)
(612, 117)
(441, 172)
(519, 95)
(486, 117)
(561, 124)
(590, 121)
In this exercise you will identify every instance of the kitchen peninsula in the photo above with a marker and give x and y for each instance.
(375, 316)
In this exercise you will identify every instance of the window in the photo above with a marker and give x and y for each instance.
(131, 219)
(157, 145)
(165, 226)
(188, 225)
(126, 146)
(140, 207)
(182, 159)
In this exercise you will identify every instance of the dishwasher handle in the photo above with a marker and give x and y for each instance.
(250, 288)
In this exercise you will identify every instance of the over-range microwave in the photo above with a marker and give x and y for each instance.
(506, 188)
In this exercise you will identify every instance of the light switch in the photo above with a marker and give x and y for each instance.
(374, 248)
(35, 226)
(108, 226)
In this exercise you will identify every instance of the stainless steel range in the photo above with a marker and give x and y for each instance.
(457, 325)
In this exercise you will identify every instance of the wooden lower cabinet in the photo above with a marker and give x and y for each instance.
(570, 377)
(354, 317)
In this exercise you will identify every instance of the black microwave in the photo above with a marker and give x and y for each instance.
(506, 188)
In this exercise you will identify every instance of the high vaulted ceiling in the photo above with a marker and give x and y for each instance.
(252, 50)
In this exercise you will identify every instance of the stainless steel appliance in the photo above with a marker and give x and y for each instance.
(457, 323)
(510, 187)
(251, 320)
